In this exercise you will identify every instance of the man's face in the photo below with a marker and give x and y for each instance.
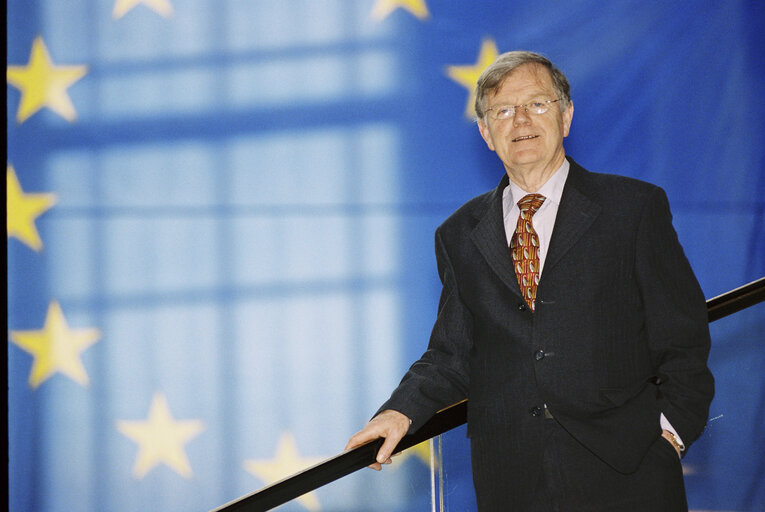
(527, 142)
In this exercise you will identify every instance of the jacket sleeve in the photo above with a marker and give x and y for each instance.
(675, 320)
(440, 377)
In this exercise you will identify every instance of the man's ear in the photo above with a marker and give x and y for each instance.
(486, 134)
(568, 116)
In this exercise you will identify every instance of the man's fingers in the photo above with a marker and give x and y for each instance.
(387, 448)
(390, 425)
(362, 437)
(353, 443)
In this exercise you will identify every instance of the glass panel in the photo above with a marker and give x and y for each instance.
(452, 476)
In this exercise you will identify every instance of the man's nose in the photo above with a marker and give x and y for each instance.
(521, 116)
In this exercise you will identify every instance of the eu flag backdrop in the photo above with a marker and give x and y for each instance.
(220, 218)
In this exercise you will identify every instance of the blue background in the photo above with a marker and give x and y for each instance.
(246, 205)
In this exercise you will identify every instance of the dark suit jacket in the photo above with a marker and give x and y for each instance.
(619, 335)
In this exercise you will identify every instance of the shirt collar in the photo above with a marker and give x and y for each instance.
(552, 189)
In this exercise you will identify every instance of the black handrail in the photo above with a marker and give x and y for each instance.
(453, 416)
(342, 465)
(736, 300)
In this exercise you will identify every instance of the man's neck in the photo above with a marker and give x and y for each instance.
(532, 179)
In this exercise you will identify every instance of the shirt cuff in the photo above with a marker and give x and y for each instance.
(666, 425)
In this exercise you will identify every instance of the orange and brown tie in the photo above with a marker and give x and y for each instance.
(524, 248)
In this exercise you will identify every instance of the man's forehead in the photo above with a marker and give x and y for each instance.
(531, 77)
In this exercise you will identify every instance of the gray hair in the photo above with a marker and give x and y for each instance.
(493, 77)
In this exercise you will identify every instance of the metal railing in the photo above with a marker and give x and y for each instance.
(453, 416)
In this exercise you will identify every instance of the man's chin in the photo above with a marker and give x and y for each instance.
(526, 158)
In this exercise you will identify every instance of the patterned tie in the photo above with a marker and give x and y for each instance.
(524, 248)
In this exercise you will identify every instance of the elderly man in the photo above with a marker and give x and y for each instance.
(569, 317)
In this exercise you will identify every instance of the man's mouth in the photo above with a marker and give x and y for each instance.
(525, 137)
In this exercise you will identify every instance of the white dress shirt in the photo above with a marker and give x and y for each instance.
(544, 219)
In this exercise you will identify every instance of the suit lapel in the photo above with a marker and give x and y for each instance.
(490, 239)
(576, 213)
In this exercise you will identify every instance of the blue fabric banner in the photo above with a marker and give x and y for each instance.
(220, 220)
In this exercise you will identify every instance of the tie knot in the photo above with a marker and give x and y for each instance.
(531, 202)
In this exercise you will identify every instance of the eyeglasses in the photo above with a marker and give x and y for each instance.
(501, 112)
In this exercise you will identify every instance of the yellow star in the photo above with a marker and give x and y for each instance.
(44, 85)
(22, 210)
(467, 76)
(286, 462)
(383, 8)
(161, 7)
(161, 439)
(56, 348)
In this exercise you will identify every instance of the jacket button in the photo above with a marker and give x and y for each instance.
(539, 355)
(535, 411)
(522, 306)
